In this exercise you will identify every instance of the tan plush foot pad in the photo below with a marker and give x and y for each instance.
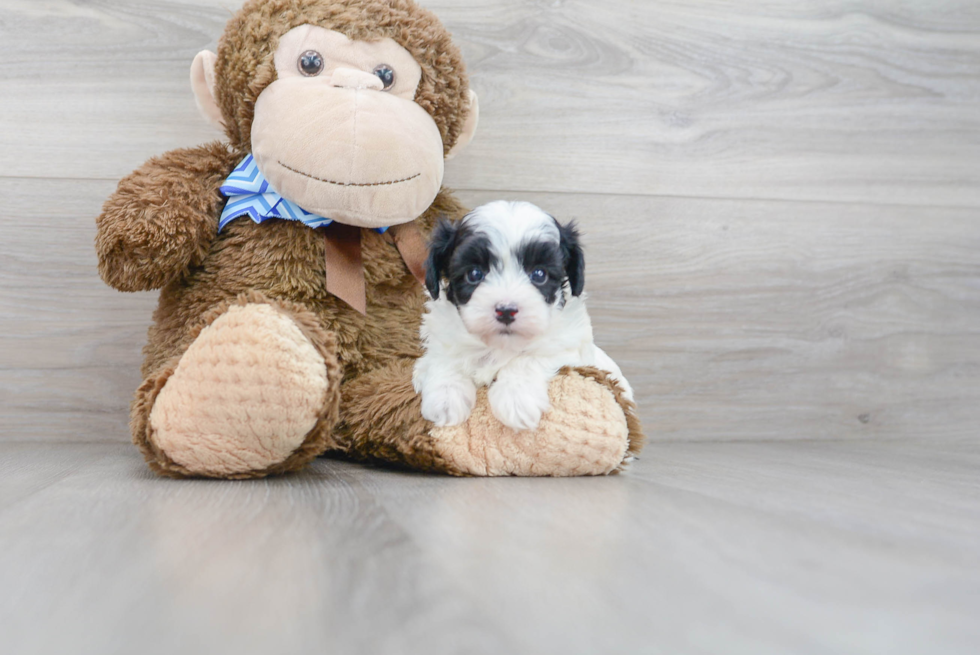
(584, 433)
(243, 396)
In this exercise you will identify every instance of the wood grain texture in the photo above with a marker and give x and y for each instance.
(733, 319)
(703, 548)
(736, 318)
(841, 101)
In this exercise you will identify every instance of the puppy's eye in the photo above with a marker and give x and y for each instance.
(474, 276)
(310, 63)
(386, 75)
(539, 276)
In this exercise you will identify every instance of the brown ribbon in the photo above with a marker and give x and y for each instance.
(345, 268)
(411, 245)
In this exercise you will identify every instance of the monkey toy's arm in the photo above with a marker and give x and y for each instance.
(162, 218)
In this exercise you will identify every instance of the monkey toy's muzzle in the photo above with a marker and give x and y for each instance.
(361, 157)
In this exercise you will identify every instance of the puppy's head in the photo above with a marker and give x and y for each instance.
(506, 266)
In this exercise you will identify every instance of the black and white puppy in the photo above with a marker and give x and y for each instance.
(506, 310)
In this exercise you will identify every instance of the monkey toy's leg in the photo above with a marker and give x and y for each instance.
(591, 428)
(255, 393)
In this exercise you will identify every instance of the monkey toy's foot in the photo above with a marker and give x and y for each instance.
(256, 393)
(591, 429)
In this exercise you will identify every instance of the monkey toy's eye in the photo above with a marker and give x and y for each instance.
(474, 276)
(386, 75)
(539, 276)
(310, 63)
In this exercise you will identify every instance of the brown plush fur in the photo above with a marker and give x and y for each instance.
(281, 262)
(159, 230)
(160, 221)
(382, 421)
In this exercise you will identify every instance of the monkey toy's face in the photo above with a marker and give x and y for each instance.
(338, 131)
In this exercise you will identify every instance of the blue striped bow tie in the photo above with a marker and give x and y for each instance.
(250, 194)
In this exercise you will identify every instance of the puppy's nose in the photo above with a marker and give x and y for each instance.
(506, 313)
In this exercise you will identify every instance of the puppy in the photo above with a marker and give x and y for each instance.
(506, 309)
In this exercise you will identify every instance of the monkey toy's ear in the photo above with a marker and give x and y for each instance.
(469, 126)
(440, 250)
(202, 83)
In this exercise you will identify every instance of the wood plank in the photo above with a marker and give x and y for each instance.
(921, 494)
(738, 320)
(122, 563)
(70, 345)
(783, 99)
(756, 548)
(711, 554)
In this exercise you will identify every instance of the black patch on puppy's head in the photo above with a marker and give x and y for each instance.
(547, 256)
(473, 252)
(572, 257)
(455, 249)
(441, 245)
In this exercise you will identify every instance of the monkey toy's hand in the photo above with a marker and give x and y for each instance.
(162, 218)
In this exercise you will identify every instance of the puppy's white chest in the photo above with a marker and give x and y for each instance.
(487, 365)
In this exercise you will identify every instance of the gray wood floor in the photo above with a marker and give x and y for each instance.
(817, 547)
(781, 207)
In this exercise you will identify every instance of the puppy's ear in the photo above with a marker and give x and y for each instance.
(574, 258)
(441, 246)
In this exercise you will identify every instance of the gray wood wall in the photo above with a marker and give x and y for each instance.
(781, 199)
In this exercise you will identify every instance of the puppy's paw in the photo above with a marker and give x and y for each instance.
(448, 404)
(518, 405)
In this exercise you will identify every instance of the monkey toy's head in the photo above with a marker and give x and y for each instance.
(349, 107)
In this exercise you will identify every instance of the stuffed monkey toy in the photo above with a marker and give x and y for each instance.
(289, 260)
